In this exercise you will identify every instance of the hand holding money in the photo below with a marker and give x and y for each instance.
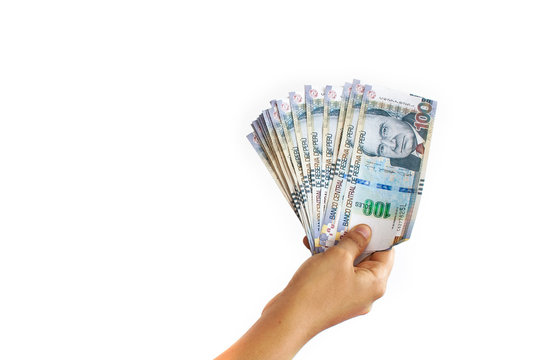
(353, 288)
(326, 290)
(347, 155)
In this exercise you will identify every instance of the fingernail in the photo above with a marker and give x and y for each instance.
(364, 230)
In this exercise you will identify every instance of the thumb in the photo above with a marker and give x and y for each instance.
(356, 240)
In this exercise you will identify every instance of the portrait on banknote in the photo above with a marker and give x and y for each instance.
(394, 138)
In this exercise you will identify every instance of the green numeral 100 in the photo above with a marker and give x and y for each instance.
(377, 209)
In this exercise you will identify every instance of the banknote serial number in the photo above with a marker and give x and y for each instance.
(401, 213)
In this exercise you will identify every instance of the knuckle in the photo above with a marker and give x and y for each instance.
(381, 276)
(337, 251)
(355, 237)
(379, 288)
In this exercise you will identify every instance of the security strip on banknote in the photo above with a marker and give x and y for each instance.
(347, 155)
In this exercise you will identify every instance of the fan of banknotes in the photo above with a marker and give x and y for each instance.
(345, 155)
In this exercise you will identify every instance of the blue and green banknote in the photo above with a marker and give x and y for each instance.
(347, 155)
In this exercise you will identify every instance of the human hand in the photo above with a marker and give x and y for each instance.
(328, 289)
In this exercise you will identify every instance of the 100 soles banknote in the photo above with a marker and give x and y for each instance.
(348, 155)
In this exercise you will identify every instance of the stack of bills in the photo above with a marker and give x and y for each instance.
(346, 155)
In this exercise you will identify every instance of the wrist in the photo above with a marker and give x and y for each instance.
(278, 334)
(288, 326)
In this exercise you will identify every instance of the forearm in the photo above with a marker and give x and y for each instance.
(278, 334)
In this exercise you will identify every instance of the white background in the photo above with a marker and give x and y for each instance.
(136, 222)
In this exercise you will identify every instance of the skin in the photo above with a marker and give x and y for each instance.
(389, 137)
(326, 290)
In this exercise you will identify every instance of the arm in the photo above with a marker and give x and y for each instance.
(326, 290)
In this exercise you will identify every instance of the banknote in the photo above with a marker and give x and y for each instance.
(278, 134)
(388, 166)
(314, 115)
(263, 142)
(298, 110)
(284, 115)
(334, 114)
(345, 155)
(272, 137)
(256, 143)
(337, 187)
(291, 164)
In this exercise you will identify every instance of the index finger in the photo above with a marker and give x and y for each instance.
(385, 257)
